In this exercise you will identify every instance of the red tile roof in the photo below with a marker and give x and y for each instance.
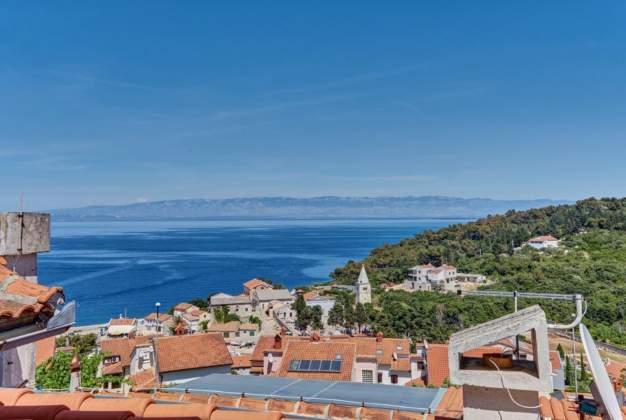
(122, 321)
(44, 350)
(263, 344)
(183, 306)
(437, 361)
(19, 296)
(451, 405)
(122, 347)
(241, 362)
(437, 364)
(543, 238)
(145, 379)
(153, 317)
(555, 360)
(319, 350)
(555, 409)
(615, 369)
(191, 352)
(254, 283)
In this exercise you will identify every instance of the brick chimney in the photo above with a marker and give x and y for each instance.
(315, 336)
(278, 342)
(379, 337)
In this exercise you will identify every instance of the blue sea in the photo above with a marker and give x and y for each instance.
(111, 268)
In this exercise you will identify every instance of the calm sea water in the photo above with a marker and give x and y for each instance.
(114, 267)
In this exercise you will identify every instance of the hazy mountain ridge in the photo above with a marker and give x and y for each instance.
(289, 207)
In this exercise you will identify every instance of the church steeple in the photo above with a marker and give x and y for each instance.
(363, 290)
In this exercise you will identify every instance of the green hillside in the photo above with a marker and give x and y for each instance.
(590, 261)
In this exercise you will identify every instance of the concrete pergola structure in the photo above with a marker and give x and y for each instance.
(510, 393)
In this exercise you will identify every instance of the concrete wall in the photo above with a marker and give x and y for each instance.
(495, 404)
(25, 265)
(24, 233)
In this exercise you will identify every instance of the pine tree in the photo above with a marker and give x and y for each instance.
(335, 315)
(559, 348)
(360, 316)
(569, 372)
(583, 372)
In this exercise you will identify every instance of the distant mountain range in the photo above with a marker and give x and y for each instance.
(315, 207)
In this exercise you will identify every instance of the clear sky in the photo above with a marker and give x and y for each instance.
(114, 102)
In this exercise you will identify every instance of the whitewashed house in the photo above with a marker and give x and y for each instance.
(542, 242)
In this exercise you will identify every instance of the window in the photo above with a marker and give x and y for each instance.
(237, 334)
(394, 379)
(367, 376)
(380, 377)
(251, 333)
(226, 335)
(315, 366)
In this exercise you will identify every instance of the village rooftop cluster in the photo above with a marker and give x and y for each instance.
(202, 364)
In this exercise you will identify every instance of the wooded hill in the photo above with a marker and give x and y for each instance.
(591, 260)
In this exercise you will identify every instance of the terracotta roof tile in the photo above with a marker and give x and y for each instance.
(342, 411)
(145, 379)
(264, 343)
(614, 369)
(115, 368)
(44, 350)
(184, 306)
(122, 347)
(19, 296)
(122, 321)
(191, 352)
(254, 283)
(437, 364)
(153, 317)
(451, 405)
(543, 238)
(201, 411)
(137, 406)
(241, 362)
(319, 350)
(555, 360)
(231, 326)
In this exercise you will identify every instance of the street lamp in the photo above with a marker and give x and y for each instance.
(158, 320)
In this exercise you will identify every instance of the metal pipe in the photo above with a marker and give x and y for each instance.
(578, 299)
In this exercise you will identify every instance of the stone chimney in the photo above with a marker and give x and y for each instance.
(75, 373)
(22, 237)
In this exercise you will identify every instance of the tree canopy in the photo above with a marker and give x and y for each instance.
(591, 261)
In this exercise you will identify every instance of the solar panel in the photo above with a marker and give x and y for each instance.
(315, 365)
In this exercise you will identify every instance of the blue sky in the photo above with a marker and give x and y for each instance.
(114, 102)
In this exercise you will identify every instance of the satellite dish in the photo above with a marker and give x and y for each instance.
(600, 377)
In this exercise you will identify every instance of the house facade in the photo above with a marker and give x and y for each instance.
(371, 359)
(239, 305)
(264, 300)
(542, 242)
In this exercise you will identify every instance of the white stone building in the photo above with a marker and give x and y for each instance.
(542, 242)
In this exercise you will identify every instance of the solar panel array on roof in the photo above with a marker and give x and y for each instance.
(345, 393)
(315, 366)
